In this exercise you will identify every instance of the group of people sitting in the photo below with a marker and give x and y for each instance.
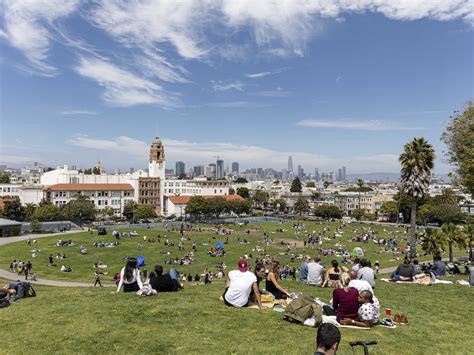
(130, 279)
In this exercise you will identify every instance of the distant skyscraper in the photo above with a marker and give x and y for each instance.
(198, 170)
(235, 167)
(344, 173)
(290, 164)
(180, 168)
(211, 170)
(300, 172)
(220, 169)
(339, 175)
(316, 174)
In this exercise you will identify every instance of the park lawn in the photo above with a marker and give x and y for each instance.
(98, 320)
(83, 270)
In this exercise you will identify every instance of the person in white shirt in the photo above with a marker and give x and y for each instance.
(239, 286)
(130, 277)
(360, 285)
(316, 272)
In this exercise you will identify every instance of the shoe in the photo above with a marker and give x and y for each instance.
(388, 322)
(403, 319)
(397, 318)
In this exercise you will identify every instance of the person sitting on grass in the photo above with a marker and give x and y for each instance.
(167, 282)
(304, 269)
(130, 277)
(368, 313)
(65, 268)
(345, 304)
(439, 267)
(239, 285)
(315, 272)
(272, 285)
(404, 272)
(366, 273)
(333, 275)
(5, 291)
(327, 339)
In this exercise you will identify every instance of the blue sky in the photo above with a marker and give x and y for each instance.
(341, 83)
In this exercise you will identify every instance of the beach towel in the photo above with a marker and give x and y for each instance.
(140, 261)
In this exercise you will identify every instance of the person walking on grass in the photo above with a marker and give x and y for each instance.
(97, 280)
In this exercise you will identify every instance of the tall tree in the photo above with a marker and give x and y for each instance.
(47, 213)
(80, 208)
(243, 192)
(469, 234)
(4, 178)
(30, 209)
(452, 236)
(128, 210)
(459, 138)
(326, 184)
(296, 185)
(360, 185)
(144, 212)
(14, 210)
(433, 242)
(301, 206)
(417, 163)
(260, 198)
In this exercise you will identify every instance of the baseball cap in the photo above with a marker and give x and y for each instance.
(243, 265)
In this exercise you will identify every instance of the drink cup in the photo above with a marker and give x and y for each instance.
(388, 311)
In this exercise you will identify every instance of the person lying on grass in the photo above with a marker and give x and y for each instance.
(368, 313)
(239, 286)
(5, 291)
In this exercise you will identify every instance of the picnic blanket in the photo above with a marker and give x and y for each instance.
(413, 282)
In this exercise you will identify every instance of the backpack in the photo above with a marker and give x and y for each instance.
(4, 303)
(303, 308)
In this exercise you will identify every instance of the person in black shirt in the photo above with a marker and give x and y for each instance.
(167, 282)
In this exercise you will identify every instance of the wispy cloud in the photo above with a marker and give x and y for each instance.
(221, 86)
(78, 112)
(263, 74)
(368, 125)
(123, 88)
(26, 29)
(279, 92)
(338, 79)
(236, 104)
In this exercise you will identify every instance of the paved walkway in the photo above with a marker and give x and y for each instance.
(12, 276)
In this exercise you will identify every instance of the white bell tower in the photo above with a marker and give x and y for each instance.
(156, 166)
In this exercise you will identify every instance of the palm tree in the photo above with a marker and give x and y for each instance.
(417, 162)
(469, 234)
(433, 242)
(448, 197)
(452, 236)
(360, 185)
(30, 209)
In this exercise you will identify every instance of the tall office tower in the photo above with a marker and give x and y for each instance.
(339, 175)
(290, 164)
(219, 169)
(235, 167)
(344, 173)
(211, 170)
(180, 168)
(300, 172)
(259, 171)
(316, 174)
(199, 170)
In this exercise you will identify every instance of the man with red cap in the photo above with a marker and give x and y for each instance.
(239, 286)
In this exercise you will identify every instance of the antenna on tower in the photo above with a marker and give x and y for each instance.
(156, 129)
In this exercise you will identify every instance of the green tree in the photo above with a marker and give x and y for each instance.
(296, 185)
(390, 208)
(80, 208)
(144, 212)
(231, 191)
(4, 178)
(357, 189)
(327, 211)
(128, 210)
(260, 198)
(326, 184)
(239, 206)
(417, 163)
(459, 138)
(358, 214)
(301, 206)
(217, 206)
(448, 197)
(197, 207)
(433, 242)
(452, 235)
(469, 235)
(30, 209)
(310, 184)
(35, 226)
(241, 180)
(14, 210)
(279, 204)
(107, 212)
(243, 192)
(95, 170)
(47, 213)
(316, 195)
(360, 185)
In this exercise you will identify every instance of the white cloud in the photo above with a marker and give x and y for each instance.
(274, 93)
(375, 163)
(338, 79)
(263, 74)
(202, 152)
(123, 88)
(78, 112)
(236, 104)
(369, 125)
(220, 86)
(15, 159)
(26, 28)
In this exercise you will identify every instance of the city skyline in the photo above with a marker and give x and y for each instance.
(330, 86)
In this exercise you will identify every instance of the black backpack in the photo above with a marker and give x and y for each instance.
(4, 303)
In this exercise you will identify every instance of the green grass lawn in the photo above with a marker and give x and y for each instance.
(154, 252)
(97, 320)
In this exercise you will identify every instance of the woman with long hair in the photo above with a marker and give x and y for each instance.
(130, 277)
(260, 274)
(272, 284)
(334, 275)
